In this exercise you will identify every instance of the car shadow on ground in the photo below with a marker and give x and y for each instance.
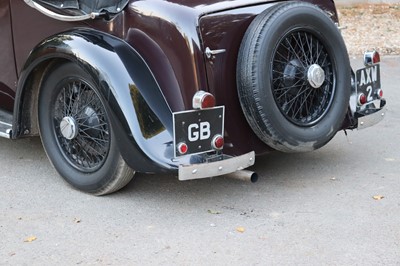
(276, 172)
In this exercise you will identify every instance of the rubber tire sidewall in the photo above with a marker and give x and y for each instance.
(91, 182)
(254, 87)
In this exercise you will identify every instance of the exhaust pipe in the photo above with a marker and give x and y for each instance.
(244, 175)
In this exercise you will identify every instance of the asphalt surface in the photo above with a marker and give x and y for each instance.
(306, 209)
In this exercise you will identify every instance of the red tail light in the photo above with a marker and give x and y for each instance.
(218, 142)
(361, 99)
(202, 100)
(376, 58)
(371, 58)
(182, 148)
(379, 93)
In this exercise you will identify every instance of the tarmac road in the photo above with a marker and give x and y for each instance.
(306, 209)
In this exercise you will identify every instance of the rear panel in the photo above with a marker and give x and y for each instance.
(224, 31)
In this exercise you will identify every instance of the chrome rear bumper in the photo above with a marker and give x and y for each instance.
(217, 168)
(372, 114)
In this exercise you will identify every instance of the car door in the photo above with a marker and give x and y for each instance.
(8, 74)
(21, 29)
(31, 27)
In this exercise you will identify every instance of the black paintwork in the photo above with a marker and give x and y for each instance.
(133, 96)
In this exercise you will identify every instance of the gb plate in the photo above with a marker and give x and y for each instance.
(197, 128)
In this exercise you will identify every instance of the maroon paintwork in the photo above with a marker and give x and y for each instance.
(8, 73)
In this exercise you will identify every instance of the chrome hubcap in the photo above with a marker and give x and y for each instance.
(69, 127)
(316, 76)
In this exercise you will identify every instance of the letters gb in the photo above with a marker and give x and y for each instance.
(199, 131)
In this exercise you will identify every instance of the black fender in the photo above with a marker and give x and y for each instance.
(140, 115)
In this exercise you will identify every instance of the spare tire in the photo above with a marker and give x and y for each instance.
(294, 77)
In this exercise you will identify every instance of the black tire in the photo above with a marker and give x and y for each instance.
(288, 101)
(85, 152)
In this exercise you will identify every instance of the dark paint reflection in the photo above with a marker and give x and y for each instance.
(149, 123)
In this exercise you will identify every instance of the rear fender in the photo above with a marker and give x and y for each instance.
(140, 115)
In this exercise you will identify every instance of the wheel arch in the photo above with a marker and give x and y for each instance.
(125, 82)
(26, 101)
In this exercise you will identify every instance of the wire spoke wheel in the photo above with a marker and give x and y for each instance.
(76, 131)
(302, 78)
(81, 127)
(294, 77)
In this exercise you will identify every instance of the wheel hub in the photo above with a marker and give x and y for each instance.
(316, 76)
(69, 127)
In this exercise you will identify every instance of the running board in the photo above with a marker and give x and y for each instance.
(5, 124)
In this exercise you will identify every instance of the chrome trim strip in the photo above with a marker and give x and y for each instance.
(6, 124)
(54, 15)
(204, 170)
(6, 134)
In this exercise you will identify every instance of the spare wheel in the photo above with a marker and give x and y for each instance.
(294, 77)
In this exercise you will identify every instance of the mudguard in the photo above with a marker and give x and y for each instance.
(140, 115)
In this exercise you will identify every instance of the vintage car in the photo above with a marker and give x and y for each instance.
(196, 88)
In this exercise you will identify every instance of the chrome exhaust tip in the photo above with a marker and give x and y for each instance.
(244, 175)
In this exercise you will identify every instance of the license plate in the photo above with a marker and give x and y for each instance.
(197, 128)
(368, 81)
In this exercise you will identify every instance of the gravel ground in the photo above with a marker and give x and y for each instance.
(371, 27)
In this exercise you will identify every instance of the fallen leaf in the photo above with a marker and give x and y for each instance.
(378, 197)
(214, 212)
(30, 239)
(390, 159)
(240, 229)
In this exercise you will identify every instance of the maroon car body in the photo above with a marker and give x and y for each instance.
(145, 61)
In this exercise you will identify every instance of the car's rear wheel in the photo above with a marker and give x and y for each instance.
(293, 77)
(77, 134)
